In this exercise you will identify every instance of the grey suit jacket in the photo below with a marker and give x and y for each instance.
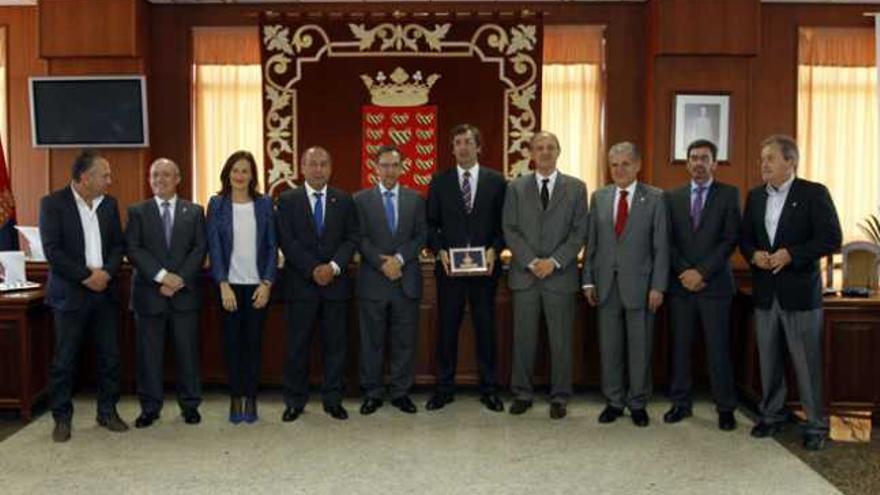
(147, 251)
(375, 240)
(557, 232)
(708, 248)
(640, 258)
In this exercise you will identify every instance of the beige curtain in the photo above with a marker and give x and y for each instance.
(837, 119)
(572, 98)
(227, 103)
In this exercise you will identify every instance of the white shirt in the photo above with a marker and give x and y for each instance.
(475, 174)
(312, 201)
(172, 204)
(775, 202)
(631, 190)
(243, 261)
(550, 184)
(91, 227)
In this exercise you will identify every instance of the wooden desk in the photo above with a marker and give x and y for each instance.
(26, 342)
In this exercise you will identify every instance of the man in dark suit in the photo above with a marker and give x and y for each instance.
(704, 229)
(166, 244)
(464, 209)
(789, 224)
(82, 239)
(625, 274)
(392, 233)
(317, 225)
(545, 224)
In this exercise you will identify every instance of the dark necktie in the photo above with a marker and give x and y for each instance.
(466, 193)
(319, 213)
(622, 213)
(545, 193)
(697, 207)
(167, 223)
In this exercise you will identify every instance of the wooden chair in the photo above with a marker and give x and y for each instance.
(860, 264)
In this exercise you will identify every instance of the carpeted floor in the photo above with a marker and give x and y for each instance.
(461, 449)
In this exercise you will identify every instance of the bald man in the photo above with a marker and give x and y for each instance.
(317, 226)
(166, 244)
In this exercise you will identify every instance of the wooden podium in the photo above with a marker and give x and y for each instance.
(26, 343)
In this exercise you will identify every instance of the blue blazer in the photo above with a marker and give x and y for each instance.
(219, 229)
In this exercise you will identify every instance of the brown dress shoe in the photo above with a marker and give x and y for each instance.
(61, 433)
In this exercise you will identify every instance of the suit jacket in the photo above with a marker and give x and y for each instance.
(558, 232)
(64, 244)
(808, 228)
(640, 258)
(304, 249)
(376, 240)
(708, 249)
(220, 237)
(148, 252)
(449, 225)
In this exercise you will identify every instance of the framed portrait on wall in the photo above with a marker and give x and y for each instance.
(701, 116)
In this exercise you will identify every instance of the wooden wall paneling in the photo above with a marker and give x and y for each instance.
(700, 75)
(27, 165)
(90, 28)
(706, 27)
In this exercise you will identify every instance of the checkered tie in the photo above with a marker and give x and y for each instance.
(466, 191)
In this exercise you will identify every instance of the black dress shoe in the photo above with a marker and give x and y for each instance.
(61, 433)
(146, 420)
(336, 411)
(557, 410)
(762, 429)
(439, 401)
(520, 406)
(726, 421)
(191, 416)
(676, 414)
(814, 442)
(492, 402)
(370, 405)
(112, 422)
(610, 414)
(291, 413)
(640, 417)
(404, 404)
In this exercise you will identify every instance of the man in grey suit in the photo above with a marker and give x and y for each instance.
(545, 221)
(393, 230)
(704, 229)
(625, 274)
(166, 244)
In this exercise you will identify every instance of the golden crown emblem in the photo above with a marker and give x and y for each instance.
(401, 91)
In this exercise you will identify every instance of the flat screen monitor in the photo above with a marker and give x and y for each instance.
(92, 111)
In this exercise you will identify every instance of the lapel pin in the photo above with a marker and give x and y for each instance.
(794, 204)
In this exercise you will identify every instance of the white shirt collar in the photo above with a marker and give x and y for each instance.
(707, 185)
(172, 200)
(395, 189)
(783, 189)
(79, 199)
(311, 192)
(552, 177)
(630, 189)
(473, 170)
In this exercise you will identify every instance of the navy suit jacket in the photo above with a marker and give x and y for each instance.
(808, 228)
(304, 249)
(220, 236)
(64, 244)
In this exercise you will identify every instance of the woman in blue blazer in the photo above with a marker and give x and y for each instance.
(243, 253)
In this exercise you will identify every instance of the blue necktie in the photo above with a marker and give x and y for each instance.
(697, 207)
(167, 224)
(389, 211)
(319, 213)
